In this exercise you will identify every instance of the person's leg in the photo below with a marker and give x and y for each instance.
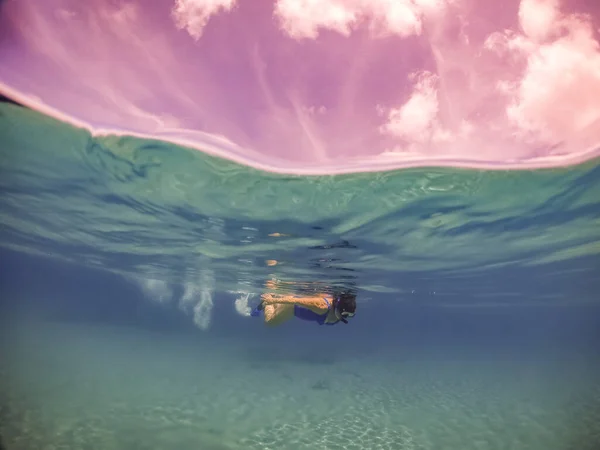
(278, 313)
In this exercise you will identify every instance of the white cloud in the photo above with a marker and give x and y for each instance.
(558, 94)
(416, 120)
(541, 89)
(193, 15)
(305, 18)
(537, 18)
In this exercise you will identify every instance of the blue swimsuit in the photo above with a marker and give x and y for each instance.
(303, 313)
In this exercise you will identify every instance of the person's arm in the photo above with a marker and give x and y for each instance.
(317, 302)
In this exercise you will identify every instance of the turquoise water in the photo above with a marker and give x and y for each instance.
(160, 211)
(128, 265)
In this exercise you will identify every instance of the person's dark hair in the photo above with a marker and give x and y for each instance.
(346, 302)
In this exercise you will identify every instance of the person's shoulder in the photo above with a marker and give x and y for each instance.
(325, 299)
(317, 300)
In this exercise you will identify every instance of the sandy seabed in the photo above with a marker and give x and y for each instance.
(77, 386)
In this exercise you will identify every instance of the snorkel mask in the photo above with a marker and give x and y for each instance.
(341, 314)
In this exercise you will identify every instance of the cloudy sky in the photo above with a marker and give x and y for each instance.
(319, 86)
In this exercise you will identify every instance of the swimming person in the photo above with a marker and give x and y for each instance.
(324, 309)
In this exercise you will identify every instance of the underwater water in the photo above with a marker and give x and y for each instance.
(127, 268)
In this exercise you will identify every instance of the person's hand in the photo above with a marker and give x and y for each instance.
(268, 298)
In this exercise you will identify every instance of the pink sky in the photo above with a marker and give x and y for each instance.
(319, 86)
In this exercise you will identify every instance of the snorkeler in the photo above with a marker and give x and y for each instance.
(324, 309)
